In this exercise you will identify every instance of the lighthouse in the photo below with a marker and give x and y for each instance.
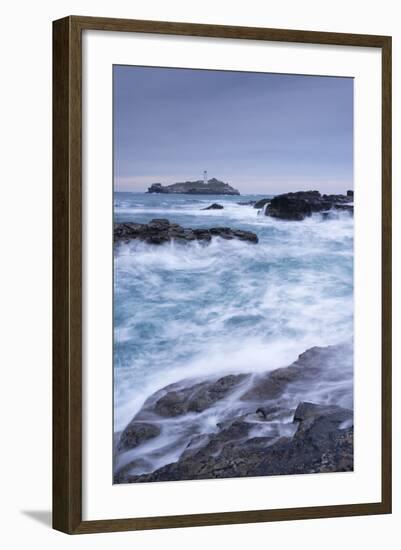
(205, 176)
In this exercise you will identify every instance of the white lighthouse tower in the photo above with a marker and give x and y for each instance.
(205, 176)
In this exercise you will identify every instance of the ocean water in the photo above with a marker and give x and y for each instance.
(195, 310)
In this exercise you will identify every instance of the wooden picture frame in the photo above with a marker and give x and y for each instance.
(67, 273)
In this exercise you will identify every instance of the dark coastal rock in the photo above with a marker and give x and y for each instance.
(264, 387)
(260, 203)
(161, 231)
(337, 199)
(320, 444)
(322, 418)
(260, 433)
(246, 203)
(136, 433)
(350, 194)
(177, 399)
(301, 204)
(346, 207)
(199, 187)
(270, 385)
(214, 206)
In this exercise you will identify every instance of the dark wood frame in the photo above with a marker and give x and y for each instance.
(67, 277)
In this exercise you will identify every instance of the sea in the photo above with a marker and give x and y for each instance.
(196, 310)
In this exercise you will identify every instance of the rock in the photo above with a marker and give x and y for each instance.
(297, 206)
(257, 430)
(350, 194)
(270, 385)
(320, 444)
(209, 394)
(136, 433)
(269, 413)
(306, 410)
(159, 231)
(199, 187)
(260, 203)
(181, 399)
(214, 206)
(264, 387)
(346, 207)
(246, 203)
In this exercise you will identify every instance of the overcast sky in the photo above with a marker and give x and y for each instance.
(261, 133)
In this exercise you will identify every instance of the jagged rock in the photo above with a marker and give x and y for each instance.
(297, 206)
(260, 203)
(136, 433)
(264, 387)
(179, 399)
(346, 207)
(212, 187)
(159, 231)
(306, 410)
(260, 432)
(320, 444)
(214, 206)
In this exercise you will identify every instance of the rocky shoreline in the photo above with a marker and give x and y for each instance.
(159, 231)
(265, 424)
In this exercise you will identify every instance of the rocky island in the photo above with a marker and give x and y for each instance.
(199, 187)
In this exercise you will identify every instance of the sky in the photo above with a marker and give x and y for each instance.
(259, 132)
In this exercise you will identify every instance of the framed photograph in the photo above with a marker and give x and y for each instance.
(222, 274)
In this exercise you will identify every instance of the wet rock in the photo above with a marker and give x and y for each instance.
(159, 231)
(270, 413)
(260, 203)
(307, 410)
(137, 433)
(264, 387)
(207, 395)
(335, 199)
(197, 397)
(319, 445)
(271, 385)
(346, 207)
(214, 206)
(246, 203)
(318, 421)
(301, 204)
(258, 431)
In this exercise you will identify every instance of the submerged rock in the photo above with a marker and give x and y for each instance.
(301, 204)
(159, 231)
(260, 431)
(214, 206)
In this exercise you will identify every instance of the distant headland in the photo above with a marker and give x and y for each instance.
(199, 187)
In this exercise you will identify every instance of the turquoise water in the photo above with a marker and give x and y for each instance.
(194, 310)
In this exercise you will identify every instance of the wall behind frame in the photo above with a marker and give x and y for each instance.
(25, 289)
